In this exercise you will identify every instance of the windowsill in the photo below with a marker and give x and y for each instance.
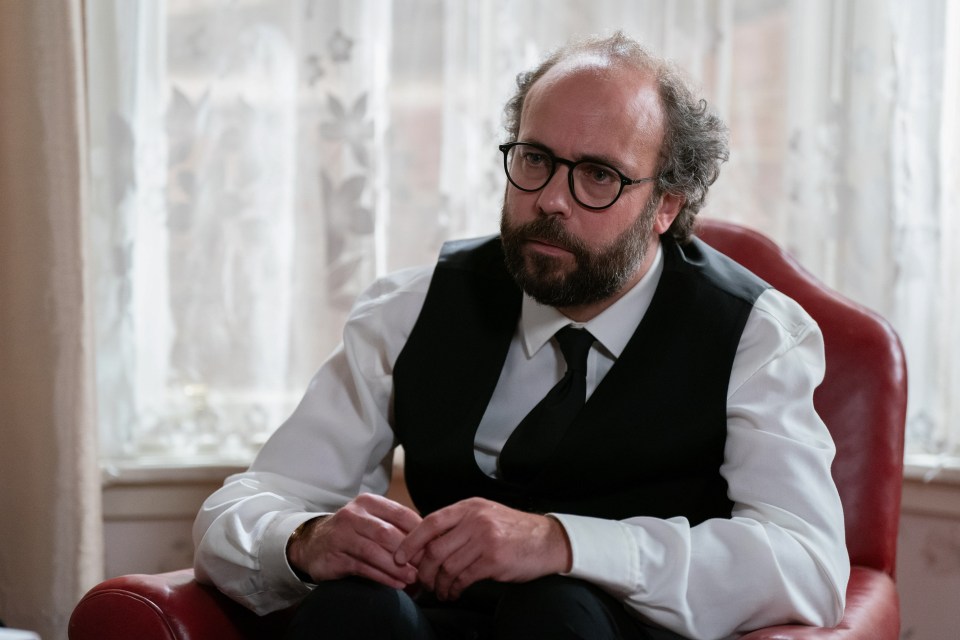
(167, 471)
(932, 469)
(926, 469)
(931, 484)
(160, 489)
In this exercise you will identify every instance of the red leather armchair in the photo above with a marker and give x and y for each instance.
(862, 400)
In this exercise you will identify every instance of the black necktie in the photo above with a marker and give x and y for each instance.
(533, 441)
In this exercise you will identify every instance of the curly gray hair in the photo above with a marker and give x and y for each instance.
(695, 139)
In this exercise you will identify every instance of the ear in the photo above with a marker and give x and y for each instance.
(667, 211)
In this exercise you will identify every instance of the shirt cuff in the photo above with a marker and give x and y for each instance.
(604, 553)
(274, 564)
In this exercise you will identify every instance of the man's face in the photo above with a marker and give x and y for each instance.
(561, 253)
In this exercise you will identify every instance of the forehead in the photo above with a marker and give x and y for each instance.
(588, 106)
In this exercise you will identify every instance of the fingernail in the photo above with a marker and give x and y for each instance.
(400, 558)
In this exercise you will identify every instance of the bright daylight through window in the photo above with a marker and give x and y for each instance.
(257, 163)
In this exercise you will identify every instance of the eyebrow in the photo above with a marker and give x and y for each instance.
(597, 159)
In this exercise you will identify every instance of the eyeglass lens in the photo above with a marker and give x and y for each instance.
(595, 185)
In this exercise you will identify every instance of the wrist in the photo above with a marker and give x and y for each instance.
(562, 550)
(295, 548)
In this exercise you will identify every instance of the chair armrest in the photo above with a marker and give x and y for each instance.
(872, 613)
(174, 606)
(166, 606)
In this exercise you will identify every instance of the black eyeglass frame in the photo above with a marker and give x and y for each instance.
(571, 165)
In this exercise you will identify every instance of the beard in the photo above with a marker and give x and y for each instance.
(596, 275)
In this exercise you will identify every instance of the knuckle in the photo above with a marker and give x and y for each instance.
(432, 553)
(487, 532)
(348, 513)
(361, 504)
(432, 521)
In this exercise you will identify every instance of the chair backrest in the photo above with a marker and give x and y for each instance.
(862, 399)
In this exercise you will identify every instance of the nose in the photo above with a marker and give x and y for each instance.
(555, 197)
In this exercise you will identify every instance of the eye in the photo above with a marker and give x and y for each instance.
(534, 158)
(599, 174)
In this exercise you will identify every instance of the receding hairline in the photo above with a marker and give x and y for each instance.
(617, 50)
(601, 55)
(597, 63)
(641, 79)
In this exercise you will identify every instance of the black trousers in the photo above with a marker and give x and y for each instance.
(553, 607)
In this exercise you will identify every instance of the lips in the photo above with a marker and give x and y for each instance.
(548, 246)
(543, 236)
(553, 240)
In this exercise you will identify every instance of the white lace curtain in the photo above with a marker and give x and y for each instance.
(257, 163)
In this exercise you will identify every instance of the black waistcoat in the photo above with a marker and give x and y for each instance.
(650, 439)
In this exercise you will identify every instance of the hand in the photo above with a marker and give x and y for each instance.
(358, 540)
(477, 539)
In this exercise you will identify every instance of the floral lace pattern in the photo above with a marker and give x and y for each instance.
(257, 164)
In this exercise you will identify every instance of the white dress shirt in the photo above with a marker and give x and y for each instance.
(780, 557)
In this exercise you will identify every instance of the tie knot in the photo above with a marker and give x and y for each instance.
(575, 344)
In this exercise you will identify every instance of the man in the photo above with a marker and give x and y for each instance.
(689, 497)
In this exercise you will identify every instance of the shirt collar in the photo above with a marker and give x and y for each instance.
(613, 327)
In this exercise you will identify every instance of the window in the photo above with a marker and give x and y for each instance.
(258, 163)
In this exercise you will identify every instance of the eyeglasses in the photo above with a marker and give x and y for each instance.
(594, 185)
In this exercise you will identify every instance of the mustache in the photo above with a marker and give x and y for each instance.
(550, 231)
